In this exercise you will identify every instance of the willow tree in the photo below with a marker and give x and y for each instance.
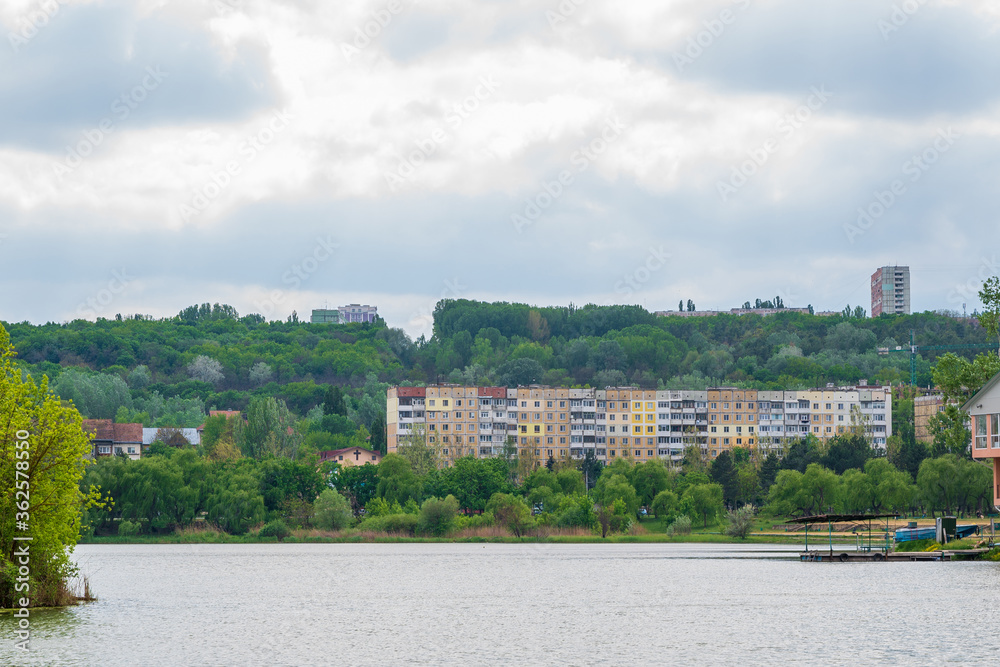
(42, 456)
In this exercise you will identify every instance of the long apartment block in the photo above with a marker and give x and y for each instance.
(627, 421)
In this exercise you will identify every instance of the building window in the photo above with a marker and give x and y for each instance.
(980, 431)
(994, 431)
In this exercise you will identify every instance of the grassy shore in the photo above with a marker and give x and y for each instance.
(647, 531)
(767, 530)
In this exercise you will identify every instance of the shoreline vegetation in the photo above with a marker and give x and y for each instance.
(638, 533)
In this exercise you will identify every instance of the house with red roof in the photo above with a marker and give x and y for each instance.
(110, 439)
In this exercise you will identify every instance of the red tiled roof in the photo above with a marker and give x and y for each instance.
(105, 429)
(128, 433)
(411, 392)
(101, 429)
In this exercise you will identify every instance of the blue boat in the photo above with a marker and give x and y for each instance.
(908, 534)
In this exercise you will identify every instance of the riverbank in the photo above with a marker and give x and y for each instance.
(648, 531)
(354, 537)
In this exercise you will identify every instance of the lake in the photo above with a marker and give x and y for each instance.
(537, 604)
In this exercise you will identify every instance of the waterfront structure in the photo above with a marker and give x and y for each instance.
(891, 291)
(111, 439)
(351, 456)
(354, 312)
(984, 411)
(640, 424)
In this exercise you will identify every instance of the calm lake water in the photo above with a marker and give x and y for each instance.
(465, 604)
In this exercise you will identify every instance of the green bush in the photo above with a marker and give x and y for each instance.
(484, 520)
(437, 516)
(390, 523)
(917, 545)
(276, 528)
(576, 511)
(740, 522)
(332, 511)
(380, 507)
(511, 512)
(128, 528)
(680, 526)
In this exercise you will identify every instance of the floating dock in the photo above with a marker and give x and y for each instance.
(836, 556)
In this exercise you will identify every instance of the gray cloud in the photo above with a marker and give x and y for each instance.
(74, 72)
(941, 59)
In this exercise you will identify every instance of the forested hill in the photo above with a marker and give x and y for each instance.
(212, 357)
(615, 344)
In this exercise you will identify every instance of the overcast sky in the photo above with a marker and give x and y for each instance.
(294, 154)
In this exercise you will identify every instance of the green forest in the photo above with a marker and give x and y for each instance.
(170, 372)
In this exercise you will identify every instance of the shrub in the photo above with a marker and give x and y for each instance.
(680, 526)
(576, 511)
(332, 511)
(276, 528)
(484, 520)
(437, 516)
(380, 507)
(390, 523)
(740, 522)
(128, 528)
(511, 512)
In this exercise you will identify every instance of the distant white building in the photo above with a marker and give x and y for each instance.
(354, 312)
